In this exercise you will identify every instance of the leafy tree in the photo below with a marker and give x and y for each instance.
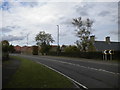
(83, 32)
(11, 48)
(91, 47)
(5, 50)
(43, 40)
(5, 46)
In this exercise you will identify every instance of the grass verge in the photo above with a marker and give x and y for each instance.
(6, 62)
(33, 75)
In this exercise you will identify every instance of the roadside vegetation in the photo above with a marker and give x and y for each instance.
(33, 75)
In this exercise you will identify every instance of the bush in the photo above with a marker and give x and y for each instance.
(35, 50)
(89, 55)
(45, 49)
(116, 56)
(5, 50)
(71, 49)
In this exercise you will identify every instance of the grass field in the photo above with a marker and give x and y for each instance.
(33, 75)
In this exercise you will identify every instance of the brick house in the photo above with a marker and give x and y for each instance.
(53, 48)
(17, 49)
(26, 50)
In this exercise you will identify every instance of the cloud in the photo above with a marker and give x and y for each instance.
(115, 32)
(27, 17)
(84, 13)
(12, 38)
(104, 13)
(5, 30)
(5, 5)
(85, 8)
(30, 4)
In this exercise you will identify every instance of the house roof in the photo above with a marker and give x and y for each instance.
(102, 45)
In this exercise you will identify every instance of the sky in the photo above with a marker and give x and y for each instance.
(21, 18)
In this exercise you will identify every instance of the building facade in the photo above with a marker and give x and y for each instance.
(105, 45)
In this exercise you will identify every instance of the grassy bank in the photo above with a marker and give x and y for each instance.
(33, 75)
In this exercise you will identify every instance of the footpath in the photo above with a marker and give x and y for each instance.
(8, 70)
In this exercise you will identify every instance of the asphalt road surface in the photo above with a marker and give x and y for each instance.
(89, 73)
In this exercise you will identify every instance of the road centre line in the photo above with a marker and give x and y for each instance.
(84, 66)
(89, 68)
(91, 62)
(75, 82)
(79, 65)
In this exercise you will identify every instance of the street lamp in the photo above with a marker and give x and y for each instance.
(58, 35)
(58, 40)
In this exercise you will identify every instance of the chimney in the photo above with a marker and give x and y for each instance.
(92, 38)
(107, 39)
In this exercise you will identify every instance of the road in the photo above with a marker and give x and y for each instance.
(90, 74)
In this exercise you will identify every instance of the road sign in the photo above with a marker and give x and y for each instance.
(107, 54)
(111, 52)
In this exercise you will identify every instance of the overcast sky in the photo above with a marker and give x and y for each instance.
(21, 18)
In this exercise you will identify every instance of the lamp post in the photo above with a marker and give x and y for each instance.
(58, 40)
(58, 35)
(27, 39)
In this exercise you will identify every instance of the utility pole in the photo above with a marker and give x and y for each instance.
(58, 40)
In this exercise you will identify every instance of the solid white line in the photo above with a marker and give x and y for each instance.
(85, 67)
(65, 76)
(82, 66)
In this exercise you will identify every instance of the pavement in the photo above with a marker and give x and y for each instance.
(87, 73)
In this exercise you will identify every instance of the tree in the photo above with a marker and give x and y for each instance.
(43, 40)
(91, 47)
(11, 48)
(5, 46)
(83, 32)
(5, 50)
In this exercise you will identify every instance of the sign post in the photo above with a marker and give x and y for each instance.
(110, 52)
(107, 54)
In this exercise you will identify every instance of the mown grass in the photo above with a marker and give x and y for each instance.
(33, 75)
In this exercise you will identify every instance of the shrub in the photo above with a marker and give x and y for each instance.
(35, 50)
(5, 50)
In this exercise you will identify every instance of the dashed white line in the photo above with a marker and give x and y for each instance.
(81, 66)
(85, 67)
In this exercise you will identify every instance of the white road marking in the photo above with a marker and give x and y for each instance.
(85, 67)
(79, 65)
(65, 76)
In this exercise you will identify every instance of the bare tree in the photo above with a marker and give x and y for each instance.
(83, 31)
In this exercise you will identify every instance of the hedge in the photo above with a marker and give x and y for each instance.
(88, 55)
